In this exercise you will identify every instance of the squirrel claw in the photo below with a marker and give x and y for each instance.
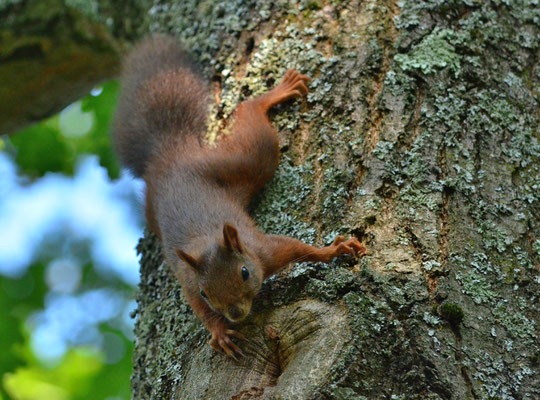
(293, 85)
(293, 81)
(236, 334)
(222, 343)
(351, 246)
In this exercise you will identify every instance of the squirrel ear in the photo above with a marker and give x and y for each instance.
(187, 259)
(231, 239)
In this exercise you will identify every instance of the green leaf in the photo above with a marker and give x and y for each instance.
(55, 144)
(41, 149)
(69, 379)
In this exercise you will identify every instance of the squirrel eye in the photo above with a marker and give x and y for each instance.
(245, 273)
(203, 294)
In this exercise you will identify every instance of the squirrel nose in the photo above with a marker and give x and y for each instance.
(234, 312)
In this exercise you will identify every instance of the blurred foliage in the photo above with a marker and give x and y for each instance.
(81, 374)
(67, 380)
(19, 298)
(54, 145)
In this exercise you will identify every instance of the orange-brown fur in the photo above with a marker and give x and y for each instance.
(197, 196)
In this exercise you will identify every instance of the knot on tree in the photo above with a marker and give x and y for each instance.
(289, 351)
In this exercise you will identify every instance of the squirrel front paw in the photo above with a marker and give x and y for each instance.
(341, 246)
(221, 341)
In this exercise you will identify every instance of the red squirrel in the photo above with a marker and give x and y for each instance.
(196, 195)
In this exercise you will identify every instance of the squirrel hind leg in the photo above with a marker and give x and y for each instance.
(293, 85)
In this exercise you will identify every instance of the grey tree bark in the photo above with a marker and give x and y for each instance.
(420, 137)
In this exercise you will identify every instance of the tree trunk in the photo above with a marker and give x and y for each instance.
(53, 52)
(419, 136)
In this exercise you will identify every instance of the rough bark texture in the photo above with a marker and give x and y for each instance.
(420, 137)
(53, 52)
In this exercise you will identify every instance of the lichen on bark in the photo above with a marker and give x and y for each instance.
(420, 137)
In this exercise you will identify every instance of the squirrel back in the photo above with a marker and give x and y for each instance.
(163, 99)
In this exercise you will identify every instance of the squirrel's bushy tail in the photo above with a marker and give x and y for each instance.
(163, 96)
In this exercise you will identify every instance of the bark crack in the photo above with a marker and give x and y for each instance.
(386, 39)
(463, 369)
(417, 115)
(443, 220)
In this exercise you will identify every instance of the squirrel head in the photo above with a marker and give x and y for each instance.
(229, 275)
